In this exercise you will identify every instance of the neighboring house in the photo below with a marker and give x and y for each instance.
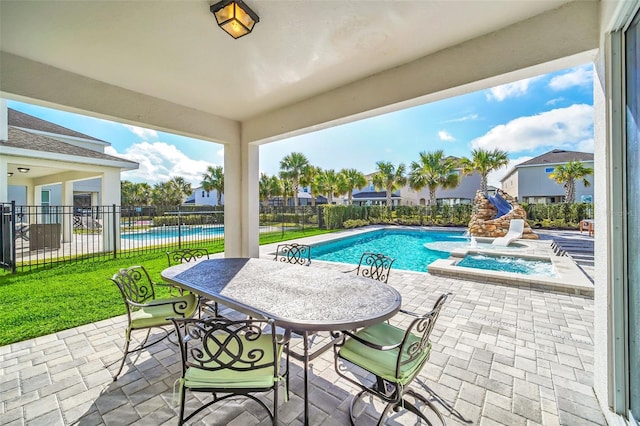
(46, 164)
(405, 196)
(200, 197)
(529, 182)
(370, 196)
(464, 193)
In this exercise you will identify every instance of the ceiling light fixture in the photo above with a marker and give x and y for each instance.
(23, 170)
(234, 17)
(10, 174)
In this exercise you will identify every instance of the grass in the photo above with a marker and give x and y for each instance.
(46, 301)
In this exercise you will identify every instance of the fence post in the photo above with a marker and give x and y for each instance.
(114, 230)
(179, 233)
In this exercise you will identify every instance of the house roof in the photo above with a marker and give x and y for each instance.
(373, 194)
(26, 121)
(23, 139)
(558, 156)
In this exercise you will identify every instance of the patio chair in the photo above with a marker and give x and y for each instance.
(516, 227)
(145, 311)
(299, 254)
(394, 356)
(230, 359)
(374, 265)
(193, 255)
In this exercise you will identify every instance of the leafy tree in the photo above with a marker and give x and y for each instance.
(268, 187)
(433, 170)
(135, 194)
(353, 179)
(389, 177)
(171, 193)
(286, 189)
(308, 178)
(567, 174)
(484, 161)
(330, 184)
(212, 180)
(293, 167)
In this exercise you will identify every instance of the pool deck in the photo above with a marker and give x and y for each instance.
(502, 355)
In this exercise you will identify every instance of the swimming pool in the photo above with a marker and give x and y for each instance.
(404, 245)
(164, 232)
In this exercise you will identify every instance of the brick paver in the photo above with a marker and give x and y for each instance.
(501, 355)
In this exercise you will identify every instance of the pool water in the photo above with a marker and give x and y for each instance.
(404, 245)
(516, 265)
(163, 232)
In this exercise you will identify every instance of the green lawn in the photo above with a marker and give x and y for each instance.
(45, 301)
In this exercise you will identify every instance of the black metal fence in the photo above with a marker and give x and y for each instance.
(44, 236)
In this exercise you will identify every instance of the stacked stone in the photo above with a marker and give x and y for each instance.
(482, 223)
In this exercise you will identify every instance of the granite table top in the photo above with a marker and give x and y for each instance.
(298, 297)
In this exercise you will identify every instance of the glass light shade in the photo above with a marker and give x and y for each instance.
(234, 17)
(23, 169)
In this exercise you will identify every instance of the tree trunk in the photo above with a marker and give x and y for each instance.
(295, 192)
(350, 197)
(432, 197)
(389, 197)
(483, 183)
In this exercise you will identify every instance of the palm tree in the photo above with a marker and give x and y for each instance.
(308, 178)
(171, 193)
(433, 170)
(353, 179)
(135, 194)
(330, 184)
(484, 161)
(212, 180)
(269, 187)
(567, 174)
(389, 177)
(286, 189)
(293, 166)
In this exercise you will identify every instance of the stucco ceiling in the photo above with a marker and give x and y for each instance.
(174, 51)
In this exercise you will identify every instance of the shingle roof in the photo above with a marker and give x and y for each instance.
(373, 194)
(558, 156)
(26, 140)
(26, 121)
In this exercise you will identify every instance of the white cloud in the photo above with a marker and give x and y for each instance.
(142, 133)
(221, 152)
(445, 136)
(554, 101)
(493, 178)
(559, 128)
(461, 119)
(160, 162)
(580, 76)
(510, 90)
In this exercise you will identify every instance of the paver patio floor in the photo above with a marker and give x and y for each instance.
(501, 355)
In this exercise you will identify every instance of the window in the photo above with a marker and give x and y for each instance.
(632, 118)
(549, 169)
(202, 194)
(208, 194)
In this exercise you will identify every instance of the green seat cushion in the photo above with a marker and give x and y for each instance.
(260, 378)
(158, 310)
(383, 363)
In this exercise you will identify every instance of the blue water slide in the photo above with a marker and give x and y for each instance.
(500, 204)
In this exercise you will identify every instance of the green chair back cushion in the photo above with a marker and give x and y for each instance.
(156, 313)
(383, 363)
(226, 378)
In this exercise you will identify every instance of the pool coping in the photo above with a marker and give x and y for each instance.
(571, 279)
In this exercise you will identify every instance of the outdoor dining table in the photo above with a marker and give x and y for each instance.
(300, 298)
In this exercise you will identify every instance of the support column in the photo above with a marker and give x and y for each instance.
(67, 211)
(4, 181)
(110, 195)
(241, 200)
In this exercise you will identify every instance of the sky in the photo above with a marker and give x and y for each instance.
(526, 118)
